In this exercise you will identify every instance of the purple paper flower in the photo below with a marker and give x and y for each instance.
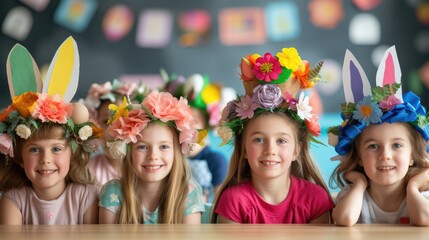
(246, 107)
(267, 95)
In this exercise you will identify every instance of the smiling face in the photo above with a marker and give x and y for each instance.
(46, 163)
(271, 146)
(385, 153)
(153, 153)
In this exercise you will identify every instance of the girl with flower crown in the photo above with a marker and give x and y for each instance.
(272, 177)
(43, 169)
(384, 168)
(103, 166)
(156, 184)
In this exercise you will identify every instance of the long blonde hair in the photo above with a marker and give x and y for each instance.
(351, 161)
(173, 198)
(239, 169)
(12, 175)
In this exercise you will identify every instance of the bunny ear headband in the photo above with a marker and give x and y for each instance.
(201, 94)
(271, 83)
(384, 103)
(35, 102)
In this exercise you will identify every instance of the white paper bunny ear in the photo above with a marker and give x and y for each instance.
(22, 72)
(193, 85)
(389, 71)
(63, 73)
(355, 82)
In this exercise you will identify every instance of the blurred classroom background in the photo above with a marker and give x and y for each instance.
(132, 40)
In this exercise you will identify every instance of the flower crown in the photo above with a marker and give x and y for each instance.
(30, 109)
(384, 103)
(127, 120)
(35, 102)
(271, 83)
(379, 108)
(111, 91)
(201, 94)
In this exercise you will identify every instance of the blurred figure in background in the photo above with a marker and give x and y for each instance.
(209, 166)
(103, 166)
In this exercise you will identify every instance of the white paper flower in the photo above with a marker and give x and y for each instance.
(303, 107)
(225, 133)
(85, 132)
(23, 131)
(117, 149)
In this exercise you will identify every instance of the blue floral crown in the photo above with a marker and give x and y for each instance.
(271, 84)
(378, 105)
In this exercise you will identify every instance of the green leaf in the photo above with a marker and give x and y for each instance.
(348, 108)
(335, 130)
(73, 145)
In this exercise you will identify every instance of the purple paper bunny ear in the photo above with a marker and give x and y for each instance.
(389, 71)
(355, 82)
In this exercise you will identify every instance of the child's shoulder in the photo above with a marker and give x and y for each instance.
(80, 191)
(112, 186)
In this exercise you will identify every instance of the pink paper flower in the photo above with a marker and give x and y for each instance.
(127, 88)
(246, 107)
(389, 103)
(267, 68)
(162, 105)
(97, 90)
(214, 111)
(183, 115)
(128, 128)
(52, 109)
(6, 145)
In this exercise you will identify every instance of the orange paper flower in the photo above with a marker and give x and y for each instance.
(25, 103)
(5, 113)
(302, 75)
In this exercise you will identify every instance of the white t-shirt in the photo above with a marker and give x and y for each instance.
(372, 214)
(68, 208)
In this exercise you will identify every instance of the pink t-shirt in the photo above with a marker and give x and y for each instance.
(305, 202)
(102, 170)
(68, 208)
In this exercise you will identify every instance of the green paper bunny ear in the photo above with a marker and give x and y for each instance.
(63, 73)
(22, 72)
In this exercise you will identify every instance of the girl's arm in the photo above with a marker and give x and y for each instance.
(349, 207)
(193, 218)
(91, 214)
(9, 213)
(107, 217)
(418, 205)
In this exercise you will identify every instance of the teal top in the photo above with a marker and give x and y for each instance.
(111, 199)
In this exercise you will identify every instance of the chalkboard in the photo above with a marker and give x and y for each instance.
(102, 60)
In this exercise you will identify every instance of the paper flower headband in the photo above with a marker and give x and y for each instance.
(271, 84)
(34, 103)
(200, 93)
(383, 103)
(112, 91)
(128, 120)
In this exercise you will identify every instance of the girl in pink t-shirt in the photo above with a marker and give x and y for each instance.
(43, 140)
(272, 177)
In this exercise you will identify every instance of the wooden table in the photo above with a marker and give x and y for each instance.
(213, 231)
